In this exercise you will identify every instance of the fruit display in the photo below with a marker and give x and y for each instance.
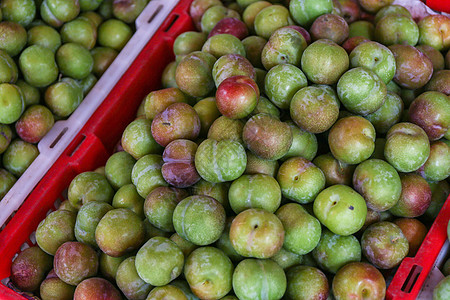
(287, 166)
(52, 54)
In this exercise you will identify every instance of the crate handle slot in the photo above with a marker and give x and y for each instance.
(411, 278)
(83, 137)
(155, 13)
(58, 137)
(174, 18)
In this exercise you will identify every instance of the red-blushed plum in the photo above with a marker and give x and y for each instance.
(209, 271)
(282, 82)
(159, 261)
(361, 28)
(384, 245)
(220, 161)
(324, 61)
(256, 165)
(232, 65)
(137, 139)
(435, 32)
(267, 137)
(157, 101)
(253, 48)
(254, 191)
(313, 109)
(371, 218)
(335, 172)
(379, 183)
(442, 289)
(415, 197)
(120, 231)
(331, 260)
(96, 288)
(188, 42)
(34, 123)
(223, 44)
(270, 19)
(431, 111)
(177, 121)
(304, 143)
(103, 58)
(391, 10)
(413, 68)
(388, 114)
(89, 186)
(300, 180)
(373, 6)
(224, 128)
(224, 243)
(341, 209)
(407, 147)
(350, 10)
(414, 231)
(437, 166)
(56, 229)
(352, 139)
(178, 168)
(360, 279)
(13, 39)
(257, 279)
(237, 97)
(304, 282)
(193, 74)
(304, 12)
(160, 204)
(303, 32)
(353, 42)
(129, 282)
(434, 55)
(376, 57)
(29, 268)
(231, 26)
(302, 231)
(199, 219)
(251, 11)
(361, 90)
(208, 112)
(440, 82)
(397, 29)
(198, 8)
(214, 14)
(88, 218)
(287, 259)
(74, 262)
(330, 26)
(285, 45)
(256, 233)
(146, 174)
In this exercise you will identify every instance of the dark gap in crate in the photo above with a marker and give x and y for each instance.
(155, 13)
(174, 19)
(411, 278)
(78, 144)
(58, 138)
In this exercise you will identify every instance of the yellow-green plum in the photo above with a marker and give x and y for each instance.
(271, 18)
(304, 12)
(335, 172)
(88, 218)
(56, 229)
(89, 186)
(305, 282)
(129, 282)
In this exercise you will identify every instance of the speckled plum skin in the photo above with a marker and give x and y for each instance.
(232, 65)
(431, 111)
(437, 166)
(209, 273)
(379, 183)
(256, 233)
(415, 197)
(413, 68)
(214, 14)
(88, 218)
(224, 128)
(29, 268)
(335, 172)
(407, 147)
(159, 261)
(305, 282)
(129, 282)
(361, 279)
(341, 209)
(199, 219)
(96, 288)
(388, 114)
(304, 12)
(352, 139)
(351, 43)
(397, 29)
(302, 231)
(384, 245)
(287, 259)
(328, 258)
(34, 123)
(178, 168)
(258, 279)
(440, 82)
(159, 100)
(271, 18)
(330, 26)
(89, 186)
(434, 31)
(300, 180)
(267, 137)
(237, 97)
(414, 231)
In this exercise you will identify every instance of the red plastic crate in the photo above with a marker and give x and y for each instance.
(96, 142)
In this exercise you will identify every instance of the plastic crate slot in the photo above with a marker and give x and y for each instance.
(58, 138)
(411, 279)
(155, 13)
(78, 145)
(173, 19)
